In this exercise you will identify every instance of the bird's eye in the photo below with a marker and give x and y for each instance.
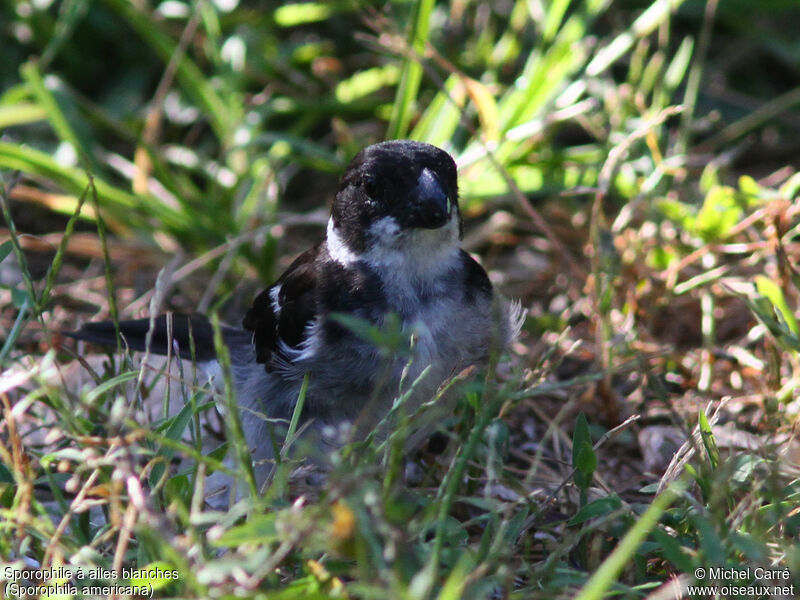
(370, 186)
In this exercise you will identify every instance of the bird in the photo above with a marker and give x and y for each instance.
(391, 254)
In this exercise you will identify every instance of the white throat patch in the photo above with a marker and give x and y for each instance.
(399, 255)
(416, 254)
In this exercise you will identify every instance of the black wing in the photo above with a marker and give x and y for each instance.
(476, 280)
(280, 314)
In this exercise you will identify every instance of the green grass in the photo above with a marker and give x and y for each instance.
(627, 169)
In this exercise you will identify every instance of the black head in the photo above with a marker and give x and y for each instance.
(413, 183)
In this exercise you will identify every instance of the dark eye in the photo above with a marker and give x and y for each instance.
(370, 186)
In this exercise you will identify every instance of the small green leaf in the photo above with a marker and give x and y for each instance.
(709, 178)
(765, 312)
(768, 288)
(597, 508)
(710, 542)
(744, 465)
(679, 66)
(178, 488)
(672, 550)
(156, 575)
(749, 186)
(708, 439)
(219, 452)
(5, 474)
(675, 211)
(21, 114)
(750, 546)
(5, 249)
(260, 529)
(791, 188)
(291, 15)
(720, 212)
(101, 389)
(175, 426)
(584, 460)
(367, 82)
(661, 257)
(20, 298)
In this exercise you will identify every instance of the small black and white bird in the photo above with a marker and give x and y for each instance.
(392, 247)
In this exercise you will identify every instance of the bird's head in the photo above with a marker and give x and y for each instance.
(396, 197)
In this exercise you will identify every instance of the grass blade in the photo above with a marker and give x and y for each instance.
(412, 70)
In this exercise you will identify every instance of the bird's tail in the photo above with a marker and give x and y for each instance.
(193, 335)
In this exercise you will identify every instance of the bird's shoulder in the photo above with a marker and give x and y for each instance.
(279, 315)
(313, 285)
(476, 282)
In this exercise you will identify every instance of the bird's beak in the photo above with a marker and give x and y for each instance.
(432, 202)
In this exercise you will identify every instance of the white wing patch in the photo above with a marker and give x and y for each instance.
(293, 362)
(516, 318)
(274, 296)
